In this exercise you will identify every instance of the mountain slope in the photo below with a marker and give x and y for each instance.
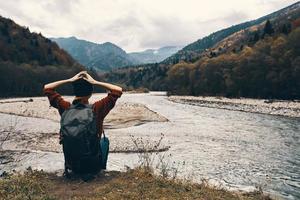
(29, 60)
(225, 67)
(102, 57)
(268, 68)
(193, 51)
(154, 55)
(18, 44)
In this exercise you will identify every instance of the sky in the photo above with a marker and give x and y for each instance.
(135, 25)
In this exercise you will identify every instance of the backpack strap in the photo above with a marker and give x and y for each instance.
(89, 105)
(103, 134)
(78, 105)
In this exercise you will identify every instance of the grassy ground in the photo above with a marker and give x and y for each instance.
(133, 184)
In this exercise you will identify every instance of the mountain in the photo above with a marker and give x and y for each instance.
(193, 51)
(101, 57)
(19, 45)
(154, 55)
(259, 61)
(107, 56)
(267, 67)
(29, 60)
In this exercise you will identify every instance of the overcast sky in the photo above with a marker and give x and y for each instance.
(135, 25)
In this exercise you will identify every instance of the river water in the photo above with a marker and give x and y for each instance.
(236, 149)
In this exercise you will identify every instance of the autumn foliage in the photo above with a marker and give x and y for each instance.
(269, 69)
(260, 62)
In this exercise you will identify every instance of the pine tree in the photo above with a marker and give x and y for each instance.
(286, 29)
(268, 28)
(256, 37)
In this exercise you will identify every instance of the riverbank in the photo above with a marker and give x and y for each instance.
(123, 115)
(133, 184)
(271, 107)
(30, 125)
(232, 149)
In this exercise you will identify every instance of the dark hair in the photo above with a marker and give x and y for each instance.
(82, 88)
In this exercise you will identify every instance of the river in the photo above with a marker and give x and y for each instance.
(236, 149)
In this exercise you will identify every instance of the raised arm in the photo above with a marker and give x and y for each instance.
(55, 99)
(104, 105)
(55, 84)
(106, 86)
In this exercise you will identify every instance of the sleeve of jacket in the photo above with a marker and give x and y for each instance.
(103, 106)
(56, 100)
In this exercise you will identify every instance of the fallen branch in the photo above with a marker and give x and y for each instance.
(15, 101)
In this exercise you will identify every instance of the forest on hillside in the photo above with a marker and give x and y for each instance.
(19, 45)
(29, 60)
(194, 51)
(268, 69)
(260, 62)
(28, 80)
(265, 66)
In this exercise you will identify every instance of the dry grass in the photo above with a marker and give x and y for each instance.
(30, 185)
(153, 156)
(138, 183)
(133, 184)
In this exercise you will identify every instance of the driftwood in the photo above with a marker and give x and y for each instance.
(140, 150)
(16, 101)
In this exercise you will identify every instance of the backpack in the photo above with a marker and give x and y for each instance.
(80, 139)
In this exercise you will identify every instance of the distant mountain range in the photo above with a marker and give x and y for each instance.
(194, 50)
(154, 55)
(224, 62)
(29, 60)
(107, 56)
(101, 57)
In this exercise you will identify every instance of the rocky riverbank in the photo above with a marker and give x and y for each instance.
(124, 114)
(271, 107)
(29, 125)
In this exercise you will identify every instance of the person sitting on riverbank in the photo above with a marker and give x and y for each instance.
(82, 123)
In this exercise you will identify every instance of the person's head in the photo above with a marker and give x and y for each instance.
(82, 88)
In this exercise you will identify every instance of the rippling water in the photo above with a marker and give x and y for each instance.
(240, 150)
(237, 148)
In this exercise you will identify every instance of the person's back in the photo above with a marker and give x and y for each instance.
(81, 122)
(80, 139)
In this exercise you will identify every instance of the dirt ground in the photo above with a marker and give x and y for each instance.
(133, 184)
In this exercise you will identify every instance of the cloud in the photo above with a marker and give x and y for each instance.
(135, 24)
(59, 7)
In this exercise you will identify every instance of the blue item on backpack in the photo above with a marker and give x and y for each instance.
(104, 148)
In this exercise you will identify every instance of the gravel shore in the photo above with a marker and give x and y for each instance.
(123, 115)
(37, 129)
(271, 107)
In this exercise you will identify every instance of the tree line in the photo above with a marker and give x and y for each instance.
(29, 60)
(263, 63)
(19, 45)
(268, 69)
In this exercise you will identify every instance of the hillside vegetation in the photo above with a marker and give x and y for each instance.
(193, 51)
(261, 61)
(268, 69)
(29, 60)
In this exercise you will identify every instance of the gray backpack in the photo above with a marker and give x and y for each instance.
(80, 139)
